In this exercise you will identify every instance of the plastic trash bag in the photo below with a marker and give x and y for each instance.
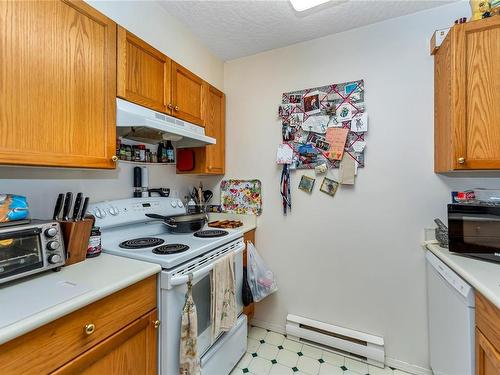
(260, 278)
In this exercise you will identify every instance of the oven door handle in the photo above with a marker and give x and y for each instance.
(179, 280)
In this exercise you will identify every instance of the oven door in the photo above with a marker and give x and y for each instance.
(172, 302)
(20, 252)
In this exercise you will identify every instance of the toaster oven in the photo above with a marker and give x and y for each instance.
(26, 249)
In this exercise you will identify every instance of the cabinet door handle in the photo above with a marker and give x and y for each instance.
(156, 323)
(170, 106)
(176, 108)
(89, 328)
(114, 158)
(461, 160)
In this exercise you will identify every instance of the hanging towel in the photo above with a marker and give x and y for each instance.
(189, 363)
(223, 303)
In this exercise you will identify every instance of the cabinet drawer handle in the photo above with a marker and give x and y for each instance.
(156, 323)
(89, 328)
(176, 108)
(170, 106)
(114, 158)
(461, 160)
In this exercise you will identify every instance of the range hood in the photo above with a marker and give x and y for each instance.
(145, 125)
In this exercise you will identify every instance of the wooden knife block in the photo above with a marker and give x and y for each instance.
(76, 236)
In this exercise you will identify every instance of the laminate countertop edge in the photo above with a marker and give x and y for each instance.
(482, 275)
(103, 275)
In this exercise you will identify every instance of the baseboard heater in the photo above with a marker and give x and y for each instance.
(359, 345)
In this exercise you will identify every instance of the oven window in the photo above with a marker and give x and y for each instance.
(19, 252)
(201, 296)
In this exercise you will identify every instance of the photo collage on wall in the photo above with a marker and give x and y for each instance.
(322, 128)
(315, 122)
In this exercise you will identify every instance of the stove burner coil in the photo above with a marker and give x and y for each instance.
(210, 233)
(172, 248)
(140, 243)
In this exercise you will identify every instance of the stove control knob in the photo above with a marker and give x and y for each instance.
(180, 204)
(99, 213)
(50, 232)
(173, 204)
(54, 258)
(52, 245)
(113, 211)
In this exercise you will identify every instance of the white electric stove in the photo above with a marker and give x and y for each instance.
(126, 231)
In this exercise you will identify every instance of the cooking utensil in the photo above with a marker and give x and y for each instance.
(84, 208)
(58, 206)
(207, 196)
(162, 192)
(67, 205)
(182, 223)
(77, 206)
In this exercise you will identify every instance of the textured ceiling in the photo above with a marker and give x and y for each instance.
(232, 29)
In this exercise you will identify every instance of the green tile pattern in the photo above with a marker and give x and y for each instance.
(290, 354)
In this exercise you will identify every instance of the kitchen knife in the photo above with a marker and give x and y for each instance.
(84, 208)
(57, 208)
(67, 205)
(76, 208)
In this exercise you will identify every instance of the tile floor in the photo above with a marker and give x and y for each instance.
(270, 353)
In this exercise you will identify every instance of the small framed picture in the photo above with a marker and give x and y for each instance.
(288, 132)
(329, 186)
(306, 183)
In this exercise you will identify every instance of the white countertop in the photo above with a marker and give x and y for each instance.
(99, 276)
(482, 275)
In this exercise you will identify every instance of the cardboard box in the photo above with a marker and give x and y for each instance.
(437, 39)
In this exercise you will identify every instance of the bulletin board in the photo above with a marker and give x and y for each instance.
(308, 119)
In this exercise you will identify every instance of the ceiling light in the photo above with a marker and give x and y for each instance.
(301, 5)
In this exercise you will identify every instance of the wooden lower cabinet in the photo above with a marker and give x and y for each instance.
(115, 335)
(248, 237)
(487, 337)
(132, 350)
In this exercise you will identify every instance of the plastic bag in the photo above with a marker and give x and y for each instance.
(260, 277)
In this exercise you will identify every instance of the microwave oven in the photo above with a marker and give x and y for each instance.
(26, 249)
(474, 230)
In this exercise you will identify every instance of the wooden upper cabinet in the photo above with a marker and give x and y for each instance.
(215, 116)
(211, 159)
(58, 85)
(467, 93)
(143, 73)
(187, 95)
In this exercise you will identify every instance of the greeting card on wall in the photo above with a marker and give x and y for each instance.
(322, 124)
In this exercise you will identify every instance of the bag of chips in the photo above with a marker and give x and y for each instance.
(13, 207)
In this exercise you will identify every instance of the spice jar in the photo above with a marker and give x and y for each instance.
(94, 248)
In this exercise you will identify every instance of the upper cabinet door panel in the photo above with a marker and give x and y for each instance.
(187, 95)
(143, 73)
(215, 127)
(481, 54)
(58, 83)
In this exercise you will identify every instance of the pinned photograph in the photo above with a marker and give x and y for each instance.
(288, 132)
(321, 168)
(306, 183)
(295, 99)
(312, 138)
(344, 112)
(311, 103)
(359, 123)
(322, 144)
(350, 87)
(296, 119)
(284, 155)
(329, 186)
(285, 110)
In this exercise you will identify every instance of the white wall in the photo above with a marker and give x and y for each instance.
(354, 260)
(150, 22)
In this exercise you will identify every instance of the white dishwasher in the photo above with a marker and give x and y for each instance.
(450, 304)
